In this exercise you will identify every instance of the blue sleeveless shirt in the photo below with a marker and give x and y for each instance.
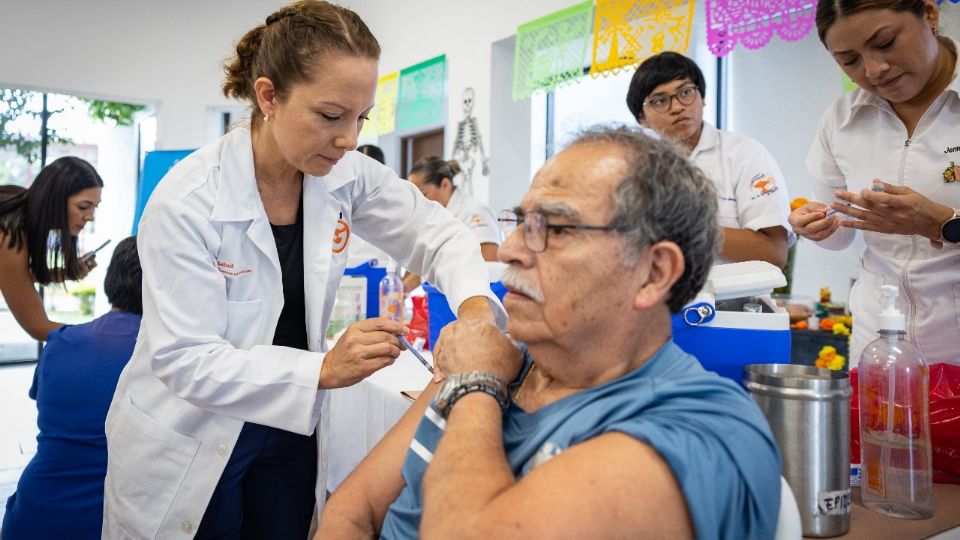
(707, 429)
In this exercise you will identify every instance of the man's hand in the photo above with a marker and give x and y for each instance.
(365, 347)
(477, 345)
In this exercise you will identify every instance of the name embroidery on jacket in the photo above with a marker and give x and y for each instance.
(230, 269)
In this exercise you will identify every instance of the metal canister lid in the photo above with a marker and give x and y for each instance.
(796, 381)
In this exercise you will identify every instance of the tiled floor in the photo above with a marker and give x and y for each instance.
(18, 426)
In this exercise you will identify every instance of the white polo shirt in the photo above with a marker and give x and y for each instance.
(476, 216)
(861, 138)
(751, 190)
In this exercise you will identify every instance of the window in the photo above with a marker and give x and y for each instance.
(109, 135)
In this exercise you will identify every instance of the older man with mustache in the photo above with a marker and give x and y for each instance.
(592, 424)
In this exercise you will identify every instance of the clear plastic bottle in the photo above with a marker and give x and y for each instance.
(391, 294)
(894, 388)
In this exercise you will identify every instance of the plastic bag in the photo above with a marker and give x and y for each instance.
(944, 422)
(419, 324)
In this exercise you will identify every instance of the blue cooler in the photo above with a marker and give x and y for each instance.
(373, 275)
(733, 322)
(439, 309)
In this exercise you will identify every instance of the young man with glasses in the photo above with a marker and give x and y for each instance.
(666, 95)
(594, 424)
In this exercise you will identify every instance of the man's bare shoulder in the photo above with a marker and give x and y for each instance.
(610, 486)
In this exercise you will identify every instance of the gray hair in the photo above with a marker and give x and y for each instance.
(663, 197)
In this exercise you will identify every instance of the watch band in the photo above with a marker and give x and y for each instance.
(950, 229)
(458, 385)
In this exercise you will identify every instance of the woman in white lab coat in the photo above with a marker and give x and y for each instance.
(211, 431)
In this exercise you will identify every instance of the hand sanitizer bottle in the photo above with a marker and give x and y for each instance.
(391, 294)
(894, 388)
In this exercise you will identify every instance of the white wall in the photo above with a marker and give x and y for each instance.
(776, 95)
(411, 31)
(165, 53)
(169, 53)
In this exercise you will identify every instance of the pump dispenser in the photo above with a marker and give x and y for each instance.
(891, 319)
(894, 390)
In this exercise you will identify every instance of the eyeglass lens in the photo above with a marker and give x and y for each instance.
(662, 102)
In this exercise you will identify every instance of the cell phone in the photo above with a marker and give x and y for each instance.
(98, 248)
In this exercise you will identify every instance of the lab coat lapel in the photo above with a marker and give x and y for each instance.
(237, 197)
(319, 219)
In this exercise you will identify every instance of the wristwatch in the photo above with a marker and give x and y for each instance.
(460, 384)
(950, 230)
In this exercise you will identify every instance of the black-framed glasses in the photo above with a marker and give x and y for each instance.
(536, 227)
(661, 102)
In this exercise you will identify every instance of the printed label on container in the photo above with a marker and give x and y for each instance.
(834, 503)
(855, 475)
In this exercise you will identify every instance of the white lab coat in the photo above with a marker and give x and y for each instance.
(212, 294)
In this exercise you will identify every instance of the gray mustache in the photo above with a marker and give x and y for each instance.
(513, 279)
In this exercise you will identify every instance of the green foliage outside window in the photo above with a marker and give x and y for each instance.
(15, 103)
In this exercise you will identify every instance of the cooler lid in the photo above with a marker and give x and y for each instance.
(750, 278)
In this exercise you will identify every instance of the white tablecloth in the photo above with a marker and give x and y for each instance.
(362, 414)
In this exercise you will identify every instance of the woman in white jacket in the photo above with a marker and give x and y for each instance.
(219, 420)
(885, 158)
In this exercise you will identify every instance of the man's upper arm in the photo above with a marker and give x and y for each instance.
(610, 486)
(364, 497)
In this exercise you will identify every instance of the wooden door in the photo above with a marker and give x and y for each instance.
(420, 146)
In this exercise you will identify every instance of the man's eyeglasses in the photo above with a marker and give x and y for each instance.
(661, 102)
(536, 228)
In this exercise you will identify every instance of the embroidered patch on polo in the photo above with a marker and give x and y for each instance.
(763, 184)
(951, 173)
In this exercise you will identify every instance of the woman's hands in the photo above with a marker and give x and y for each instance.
(88, 261)
(811, 221)
(365, 347)
(894, 210)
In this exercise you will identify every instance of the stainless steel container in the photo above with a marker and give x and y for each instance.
(808, 409)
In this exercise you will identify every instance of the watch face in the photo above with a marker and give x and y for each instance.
(951, 230)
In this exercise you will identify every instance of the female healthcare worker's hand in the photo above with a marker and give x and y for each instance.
(894, 210)
(811, 221)
(364, 347)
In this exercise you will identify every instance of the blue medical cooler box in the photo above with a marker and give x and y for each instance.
(716, 329)
(373, 274)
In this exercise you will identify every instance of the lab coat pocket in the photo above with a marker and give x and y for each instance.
(148, 462)
(243, 323)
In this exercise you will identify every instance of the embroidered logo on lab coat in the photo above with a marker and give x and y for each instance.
(951, 173)
(763, 184)
(341, 235)
(230, 269)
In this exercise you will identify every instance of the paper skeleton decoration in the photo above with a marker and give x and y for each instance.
(469, 142)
